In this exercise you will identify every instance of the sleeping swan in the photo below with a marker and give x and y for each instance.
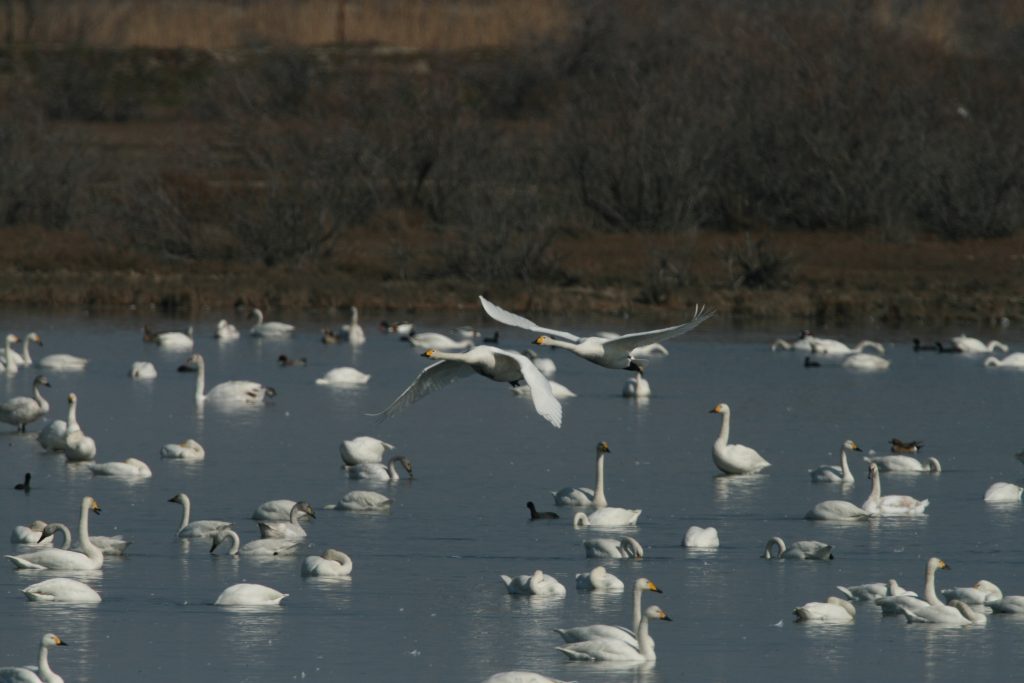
(252, 594)
(537, 583)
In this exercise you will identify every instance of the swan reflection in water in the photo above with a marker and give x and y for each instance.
(739, 488)
(253, 631)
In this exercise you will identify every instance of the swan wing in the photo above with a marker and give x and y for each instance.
(433, 377)
(543, 397)
(628, 342)
(509, 318)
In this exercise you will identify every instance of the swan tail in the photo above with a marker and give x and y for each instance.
(20, 563)
(507, 580)
(845, 591)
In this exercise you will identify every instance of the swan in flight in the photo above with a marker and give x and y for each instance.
(363, 449)
(1014, 361)
(356, 335)
(636, 386)
(611, 650)
(833, 473)
(251, 594)
(142, 370)
(890, 506)
(60, 590)
(110, 546)
(361, 501)
(537, 583)
(344, 376)
(598, 579)
(800, 550)
(616, 353)
(836, 511)
(189, 449)
(696, 537)
(608, 516)
(966, 344)
(578, 496)
(226, 331)
(559, 391)
(330, 563)
(377, 471)
(625, 547)
(578, 634)
(262, 547)
(235, 391)
(894, 604)
(272, 329)
(290, 529)
(489, 361)
(869, 592)
(1003, 492)
(734, 458)
(37, 674)
(91, 557)
(202, 528)
(903, 464)
(132, 468)
(21, 410)
(833, 611)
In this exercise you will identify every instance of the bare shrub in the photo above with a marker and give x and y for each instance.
(757, 264)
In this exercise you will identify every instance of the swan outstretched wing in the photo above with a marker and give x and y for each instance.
(544, 401)
(628, 342)
(508, 318)
(430, 379)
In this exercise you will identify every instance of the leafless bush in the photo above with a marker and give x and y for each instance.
(757, 264)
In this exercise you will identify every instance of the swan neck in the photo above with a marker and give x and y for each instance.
(638, 593)
(200, 379)
(778, 543)
(66, 543)
(643, 638)
(25, 353)
(599, 500)
(844, 465)
(929, 586)
(186, 512)
(83, 532)
(723, 435)
(44, 662)
(73, 417)
(446, 355)
(236, 542)
(560, 344)
(876, 486)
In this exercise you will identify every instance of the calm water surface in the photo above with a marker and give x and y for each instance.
(425, 601)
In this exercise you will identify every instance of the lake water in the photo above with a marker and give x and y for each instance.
(425, 601)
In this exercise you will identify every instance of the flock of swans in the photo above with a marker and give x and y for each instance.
(280, 522)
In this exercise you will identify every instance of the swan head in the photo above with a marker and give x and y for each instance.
(872, 471)
(722, 408)
(336, 555)
(93, 505)
(655, 612)
(303, 506)
(851, 445)
(12, 339)
(429, 353)
(52, 640)
(34, 337)
(179, 498)
(631, 547)
(47, 531)
(37, 525)
(219, 537)
(72, 398)
(580, 519)
(602, 448)
(988, 587)
(937, 563)
(541, 340)
(41, 381)
(647, 585)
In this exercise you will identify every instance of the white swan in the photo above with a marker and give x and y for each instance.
(616, 353)
(277, 510)
(52, 436)
(142, 370)
(1014, 361)
(833, 473)
(546, 366)
(1003, 492)
(25, 359)
(800, 550)
(696, 537)
(834, 347)
(91, 557)
(189, 449)
(869, 592)
(402, 329)
(981, 593)
(62, 362)
(559, 391)
(890, 506)
(42, 673)
(904, 464)
(21, 410)
(361, 501)
(290, 529)
(78, 447)
(625, 547)
(866, 362)
(132, 468)
(895, 604)
(956, 613)
(578, 634)
(440, 342)
(261, 547)
(833, 611)
(608, 516)
(363, 449)
(356, 335)
(269, 329)
(251, 594)
(636, 386)
(330, 563)
(61, 590)
(537, 583)
(110, 546)
(579, 496)
(176, 341)
(966, 344)
(598, 579)
(236, 391)
(344, 376)
(1008, 604)
(202, 528)
(226, 331)
(29, 534)
(9, 363)
(489, 361)
(377, 471)
(801, 343)
(734, 458)
(520, 677)
(836, 510)
(611, 650)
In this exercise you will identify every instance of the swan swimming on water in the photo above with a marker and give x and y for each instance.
(377, 471)
(21, 410)
(78, 447)
(800, 550)
(612, 650)
(110, 546)
(61, 590)
(330, 563)
(235, 391)
(890, 506)
(262, 547)
(581, 633)
(1014, 361)
(833, 473)
(91, 557)
(580, 496)
(202, 528)
(1003, 492)
(965, 344)
(537, 583)
(607, 516)
(625, 547)
(344, 376)
(903, 464)
(598, 579)
(833, 611)
(290, 529)
(38, 674)
(364, 449)
(142, 370)
(271, 329)
(361, 501)
(734, 458)
(132, 468)
(894, 604)
(696, 537)
(251, 594)
(869, 592)
(189, 449)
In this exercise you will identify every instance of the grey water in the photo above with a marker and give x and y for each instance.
(425, 601)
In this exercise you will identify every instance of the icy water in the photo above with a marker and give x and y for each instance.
(425, 602)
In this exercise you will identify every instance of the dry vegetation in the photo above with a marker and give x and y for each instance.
(775, 159)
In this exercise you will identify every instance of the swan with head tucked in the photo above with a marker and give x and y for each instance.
(834, 473)
(61, 590)
(1014, 361)
(189, 449)
(598, 579)
(965, 344)
(176, 341)
(344, 376)
(696, 537)
(363, 449)
(30, 534)
(377, 471)
(332, 563)
(608, 516)
(488, 361)
(890, 506)
(202, 528)
(269, 329)
(834, 347)
(612, 650)
(91, 557)
(866, 362)
(21, 410)
(800, 550)
(249, 594)
(869, 592)
(261, 547)
(578, 634)
(142, 370)
(833, 611)
(226, 332)
(904, 464)
(980, 594)
(1003, 492)
(625, 547)
(521, 677)
(235, 391)
(616, 353)
(41, 673)
(290, 529)
(78, 447)
(62, 362)
(362, 501)
(131, 468)
(1008, 604)
(636, 386)
(734, 458)
(894, 604)
(110, 546)
(579, 496)
(537, 583)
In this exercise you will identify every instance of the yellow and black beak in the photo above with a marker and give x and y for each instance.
(429, 353)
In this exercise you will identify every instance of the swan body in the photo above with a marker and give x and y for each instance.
(290, 529)
(490, 362)
(278, 510)
(356, 335)
(402, 329)
(734, 458)
(42, 673)
(869, 592)
(130, 468)
(903, 463)
(800, 550)
(377, 471)
(345, 376)
(613, 650)
(176, 341)
(142, 369)
(696, 537)
(30, 534)
(625, 547)
(609, 516)
(582, 633)
(520, 677)
(867, 362)
(226, 331)
(1009, 604)
(236, 391)
(890, 506)
(616, 353)
(895, 604)
(78, 447)
(329, 563)
(980, 594)
(61, 590)
(833, 473)
(537, 583)
(203, 528)
(272, 329)
(110, 546)
(261, 547)
(580, 497)
(435, 340)
(362, 501)
(833, 611)
(966, 344)
(636, 386)
(21, 410)
(62, 361)
(364, 449)
(91, 557)
(1003, 492)
(598, 579)
(1014, 361)
(834, 347)
(836, 510)
(252, 594)
(189, 449)
(52, 436)
(956, 613)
